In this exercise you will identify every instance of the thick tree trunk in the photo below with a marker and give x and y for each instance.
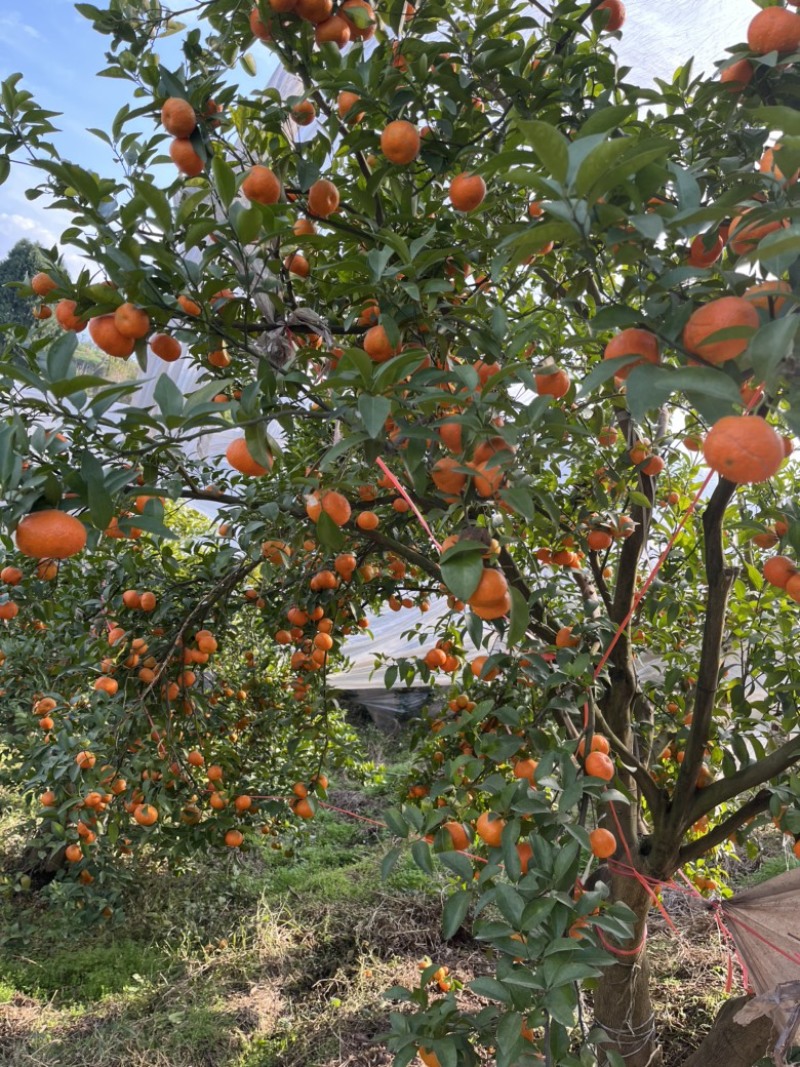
(730, 1045)
(622, 1005)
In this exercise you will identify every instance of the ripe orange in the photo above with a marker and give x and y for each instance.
(526, 769)
(336, 29)
(616, 14)
(490, 829)
(378, 346)
(555, 384)
(367, 520)
(234, 838)
(11, 575)
(598, 540)
(467, 192)
(86, 760)
(743, 236)
(447, 477)
(400, 141)
(238, 455)
(344, 105)
(632, 342)
(336, 507)
(303, 808)
(774, 30)
(768, 296)
(564, 638)
(297, 264)
(131, 321)
(737, 76)
(42, 284)
(262, 185)
(599, 765)
(50, 534)
(491, 599)
(145, 814)
(190, 306)
(314, 10)
(185, 157)
(702, 254)
(107, 337)
(165, 347)
(178, 117)
(359, 31)
(74, 853)
(9, 610)
(778, 570)
(66, 317)
(602, 843)
(258, 27)
(107, 685)
(323, 198)
(743, 448)
(304, 113)
(723, 314)
(459, 838)
(477, 667)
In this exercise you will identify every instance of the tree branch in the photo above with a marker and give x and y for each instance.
(754, 774)
(720, 580)
(695, 849)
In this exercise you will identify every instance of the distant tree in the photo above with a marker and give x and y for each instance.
(24, 260)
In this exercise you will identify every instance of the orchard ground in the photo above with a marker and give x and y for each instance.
(267, 959)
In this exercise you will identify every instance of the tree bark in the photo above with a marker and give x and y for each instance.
(622, 1005)
(730, 1045)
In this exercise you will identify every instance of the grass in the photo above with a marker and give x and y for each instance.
(263, 959)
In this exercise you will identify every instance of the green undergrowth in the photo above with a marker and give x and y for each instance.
(258, 958)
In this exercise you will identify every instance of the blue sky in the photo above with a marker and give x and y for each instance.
(58, 52)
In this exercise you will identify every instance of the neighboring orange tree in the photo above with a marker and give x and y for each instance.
(493, 277)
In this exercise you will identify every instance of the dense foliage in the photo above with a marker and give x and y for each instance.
(396, 287)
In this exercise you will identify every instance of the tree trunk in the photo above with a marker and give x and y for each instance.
(622, 1005)
(730, 1045)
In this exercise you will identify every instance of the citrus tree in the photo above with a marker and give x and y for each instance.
(488, 323)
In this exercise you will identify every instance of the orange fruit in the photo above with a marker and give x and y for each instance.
(66, 317)
(447, 477)
(702, 254)
(314, 10)
(598, 540)
(131, 321)
(178, 117)
(50, 534)
(526, 769)
(346, 102)
(297, 264)
(185, 157)
(323, 198)
(336, 29)
(165, 347)
(145, 814)
(262, 185)
(74, 853)
(774, 30)
(477, 667)
(400, 141)
(744, 236)
(303, 809)
(11, 575)
(616, 14)
(238, 455)
(555, 384)
(491, 599)
(377, 345)
(190, 306)
(42, 284)
(234, 838)
(86, 760)
(599, 765)
(602, 843)
(107, 337)
(430, 1059)
(367, 520)
(459, 837)
(490, 829)
(743, 448)
(258, 27)
(467, 192)
(723, 314)
(564, 638)
(304, 113)
(632, 342)
(737, 76)
(768, 296)
(778, 570)
(364, 28)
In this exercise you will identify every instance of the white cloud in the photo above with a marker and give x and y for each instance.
(11, 23)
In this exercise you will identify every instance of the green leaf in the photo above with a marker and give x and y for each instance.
(422, 856)
(491, 989)
(462, 567)
(156, 200)
(168, 396)
(374, 411)
(455, 912)
(389, 861)
(396, 823)
(510, 904)
(648, 387)
(604, 119)
(520, 617)
(458, 863)
(550, 146)
(777, 117)
(247, 222)
(224, 180)
(101, 506)
(59, 356)
(612, 167)
(777, 251)
(329, 534)
(771, 344)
